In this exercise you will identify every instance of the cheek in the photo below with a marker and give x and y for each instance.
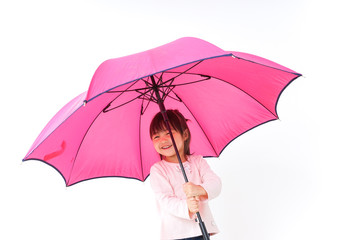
(156, 144)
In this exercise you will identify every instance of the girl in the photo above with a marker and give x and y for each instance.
(176, 200)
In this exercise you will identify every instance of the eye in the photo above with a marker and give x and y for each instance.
(155, 137)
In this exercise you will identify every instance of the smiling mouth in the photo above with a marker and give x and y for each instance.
(166, 147)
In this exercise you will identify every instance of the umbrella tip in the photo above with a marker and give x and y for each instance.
(84, 103)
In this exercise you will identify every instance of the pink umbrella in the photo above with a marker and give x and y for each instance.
(104, 132)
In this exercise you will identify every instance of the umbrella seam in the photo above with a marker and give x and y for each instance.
(262, 64)
(78, 149)
(247, 94)
(140, 152)
(297, 75)
(199, 125)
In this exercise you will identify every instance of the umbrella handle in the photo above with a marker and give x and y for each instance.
(202, 227)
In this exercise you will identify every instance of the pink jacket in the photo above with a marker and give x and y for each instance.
(167, 182)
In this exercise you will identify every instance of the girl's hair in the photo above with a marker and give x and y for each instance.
(177, 121)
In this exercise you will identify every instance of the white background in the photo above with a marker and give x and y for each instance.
(297, 178)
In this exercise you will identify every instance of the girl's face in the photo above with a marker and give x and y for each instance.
(163, 144)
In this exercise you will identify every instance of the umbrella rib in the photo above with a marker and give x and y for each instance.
(212, 146)
(160, 86)
(179, 73)
(147, 105)
(167, 89)
(77, 152)
(182, 84)
(175, 98)
(82, 140)
(106, 109)
(140, 153)
(160, 83)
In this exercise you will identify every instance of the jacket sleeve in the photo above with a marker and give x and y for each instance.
(165, 197)
(210, 181)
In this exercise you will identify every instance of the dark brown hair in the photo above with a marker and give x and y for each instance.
(177, 121)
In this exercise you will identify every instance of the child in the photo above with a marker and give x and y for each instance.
(176, 200)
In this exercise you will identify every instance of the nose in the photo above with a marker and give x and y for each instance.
(164, 138)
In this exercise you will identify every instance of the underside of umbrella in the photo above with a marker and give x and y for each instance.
(104, 132)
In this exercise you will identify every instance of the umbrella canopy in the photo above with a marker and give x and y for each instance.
(104, 132)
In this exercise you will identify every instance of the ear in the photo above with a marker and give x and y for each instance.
(186, 134)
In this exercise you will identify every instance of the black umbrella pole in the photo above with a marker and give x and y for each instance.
(167, 124)
(163, 112)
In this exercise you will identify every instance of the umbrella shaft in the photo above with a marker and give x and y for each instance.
(174, 144)
(163, 111)
(160, 102)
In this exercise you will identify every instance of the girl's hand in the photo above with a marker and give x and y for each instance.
(192, 190)
(193, 205)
